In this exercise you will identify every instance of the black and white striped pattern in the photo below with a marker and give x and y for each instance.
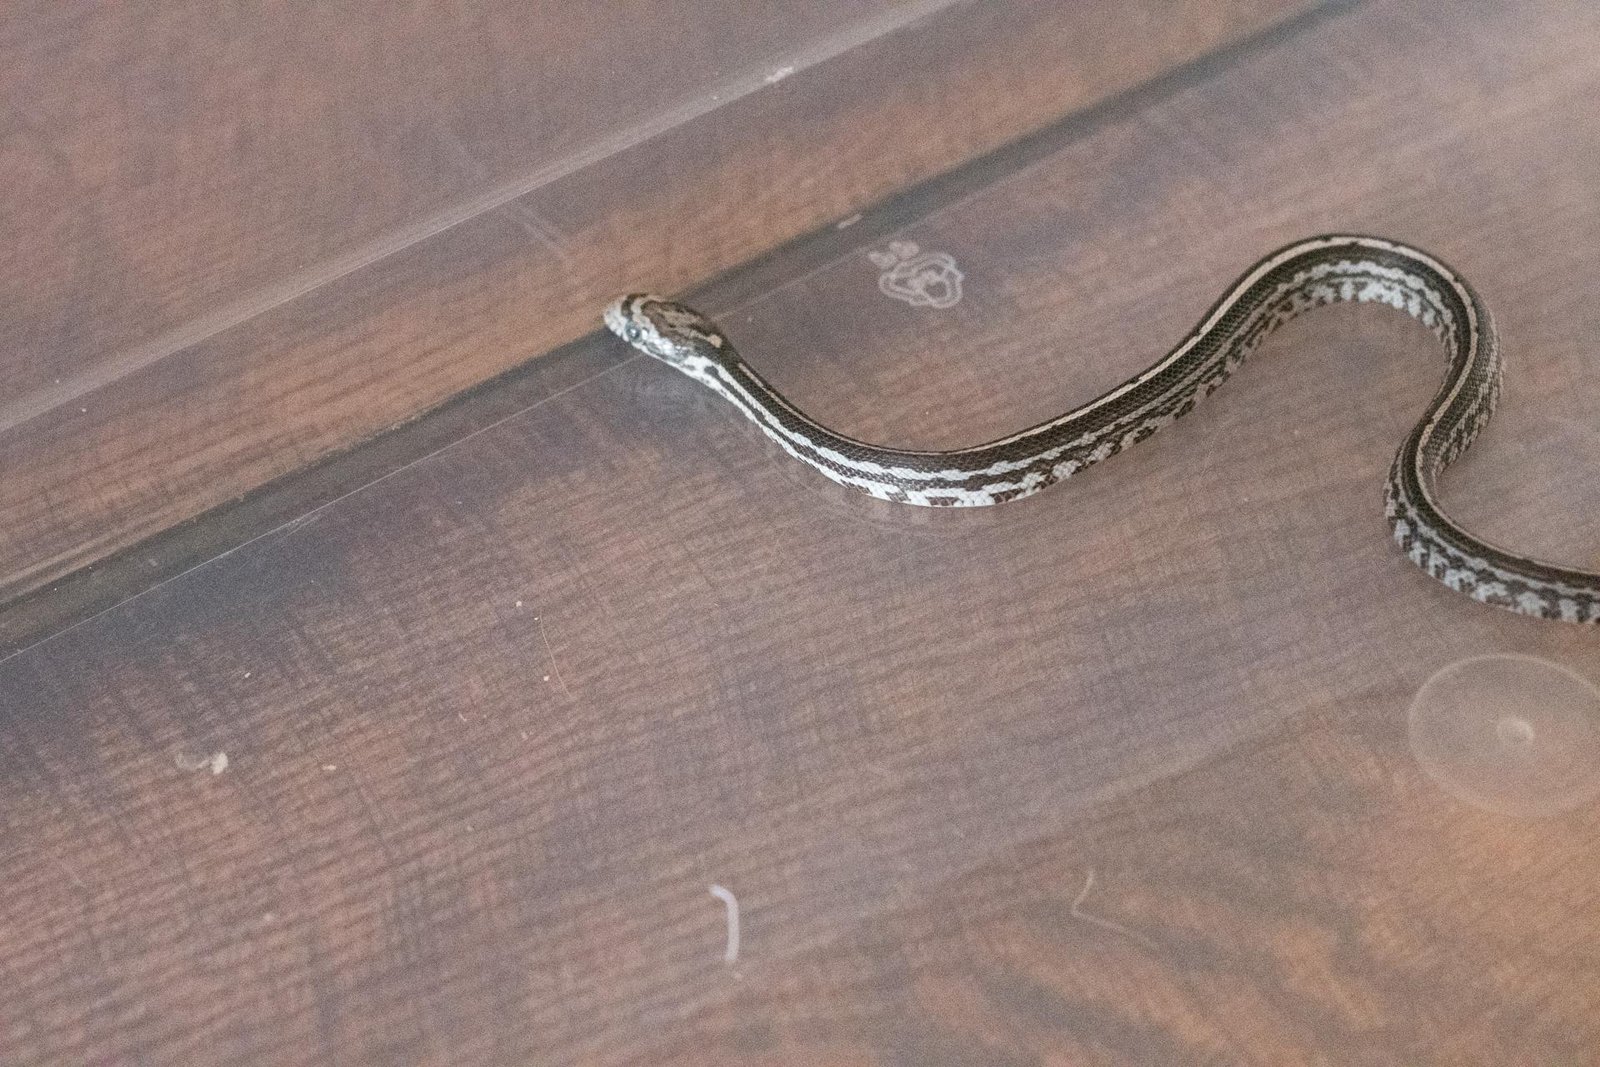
(1305, 275)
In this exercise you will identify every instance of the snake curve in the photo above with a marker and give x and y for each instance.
(1307, 274)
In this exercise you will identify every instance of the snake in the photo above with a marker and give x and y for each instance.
(1310, 273)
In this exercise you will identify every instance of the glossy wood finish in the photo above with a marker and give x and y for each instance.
(242, 239)
(495, 723)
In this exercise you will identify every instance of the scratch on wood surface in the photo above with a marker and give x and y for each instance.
(731, 953)
(71, 874)
(308, 519)
(1105, 924)
(542, 230)
(535, 225)
(554, 666)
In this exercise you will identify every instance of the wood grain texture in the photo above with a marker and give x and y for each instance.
(496, 722)
(1310, 899)
(241, 241)
(184, 161)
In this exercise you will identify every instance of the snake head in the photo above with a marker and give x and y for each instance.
(671, 332)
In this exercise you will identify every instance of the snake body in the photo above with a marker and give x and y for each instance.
(1307, 274)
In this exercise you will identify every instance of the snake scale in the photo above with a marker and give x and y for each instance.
(1307, 274)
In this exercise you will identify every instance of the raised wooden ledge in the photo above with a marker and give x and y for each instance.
(110, 437)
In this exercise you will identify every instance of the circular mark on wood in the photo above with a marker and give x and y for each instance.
(1512, 734)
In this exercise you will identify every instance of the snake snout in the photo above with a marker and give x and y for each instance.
(624, 315)
(671, 332)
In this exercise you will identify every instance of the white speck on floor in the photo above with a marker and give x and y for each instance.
(731, 953)
(217, 761)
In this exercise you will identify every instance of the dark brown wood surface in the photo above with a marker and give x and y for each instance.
(1117, 774)
(240, 239)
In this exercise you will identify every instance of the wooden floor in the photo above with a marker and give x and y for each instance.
(243, 241)
(435, 753)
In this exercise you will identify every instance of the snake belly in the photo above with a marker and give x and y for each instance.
(1311, 273)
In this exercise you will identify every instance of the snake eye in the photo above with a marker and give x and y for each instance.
(633, 332)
